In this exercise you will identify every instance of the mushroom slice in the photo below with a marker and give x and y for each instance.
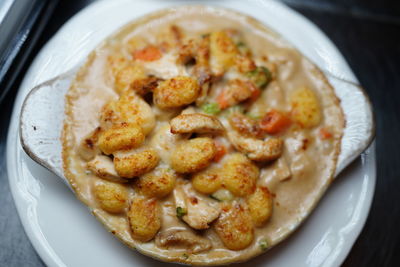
(255, 149)
(198, 213)
(180, 238)
(103, 167)
(196, 123)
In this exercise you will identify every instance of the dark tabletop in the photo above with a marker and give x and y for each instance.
(367, 33)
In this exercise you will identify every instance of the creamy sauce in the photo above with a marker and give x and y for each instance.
(297, 180)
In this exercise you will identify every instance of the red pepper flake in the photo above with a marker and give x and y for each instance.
(325, 134)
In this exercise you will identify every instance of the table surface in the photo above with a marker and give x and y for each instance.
(367, 33)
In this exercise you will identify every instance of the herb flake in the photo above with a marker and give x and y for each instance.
(180, 212)
(211, 108)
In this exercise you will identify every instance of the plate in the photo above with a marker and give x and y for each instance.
(65, 234)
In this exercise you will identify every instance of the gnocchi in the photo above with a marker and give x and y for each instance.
(193, 155)
(126, 76)
(136, 164)
(111, 197)
(176, 92)
(157, 183)
(144, 218)
(260, 205)
(207, 181)
(124, 136)
(305, 108)
(239, 175)
(235, 227)
(222, 51)
(129, 108)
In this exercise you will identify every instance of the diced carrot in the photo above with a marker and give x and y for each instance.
(222, 101)
(221, 151)
(274, 122)
(149, 53)
(325, 134)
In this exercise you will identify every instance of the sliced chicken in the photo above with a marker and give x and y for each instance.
(183, 239)
(103, 167)
(255, 149)
(245, 125)
(196, 123)
(87, 148)
(276, 173)
(198, 213)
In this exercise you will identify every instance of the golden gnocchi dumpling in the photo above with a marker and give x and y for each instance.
(129, 108)
(157, 183)
(126, 76)
(144, 218)
(111, 197)
(124, 136)
(223, 51)
(176, 92)
(207, 181)
(260, 205)
(136, 164)
(305, 108)
(135, 110)
(117, 62)
(109, 115)
(235, 227)
(239, 174)
(193, 155)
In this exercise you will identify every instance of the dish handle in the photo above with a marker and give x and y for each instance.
(41, 122)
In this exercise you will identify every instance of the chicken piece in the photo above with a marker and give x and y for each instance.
(200, 214)
(197, 212)
(124, 136)
(260, 205)
(305, 108)
(157, 183)
(193, 155)
(245, 125)
(103, 167)
(169, 38)
(204, 77)
(244, 64)
(137, 163)
(278, 171)
(176, 92)
(111, 197)
(182, 239)
(144, 218)
(187, 51)
(234, 226)
(88, 148)
(257, 150)
(163, 141)
(239, 174)
(196, 123)
(236, 92)
(130, 108)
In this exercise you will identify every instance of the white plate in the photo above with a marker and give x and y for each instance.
(65, 234)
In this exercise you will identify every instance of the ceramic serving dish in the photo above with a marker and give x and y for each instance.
(45, 103)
